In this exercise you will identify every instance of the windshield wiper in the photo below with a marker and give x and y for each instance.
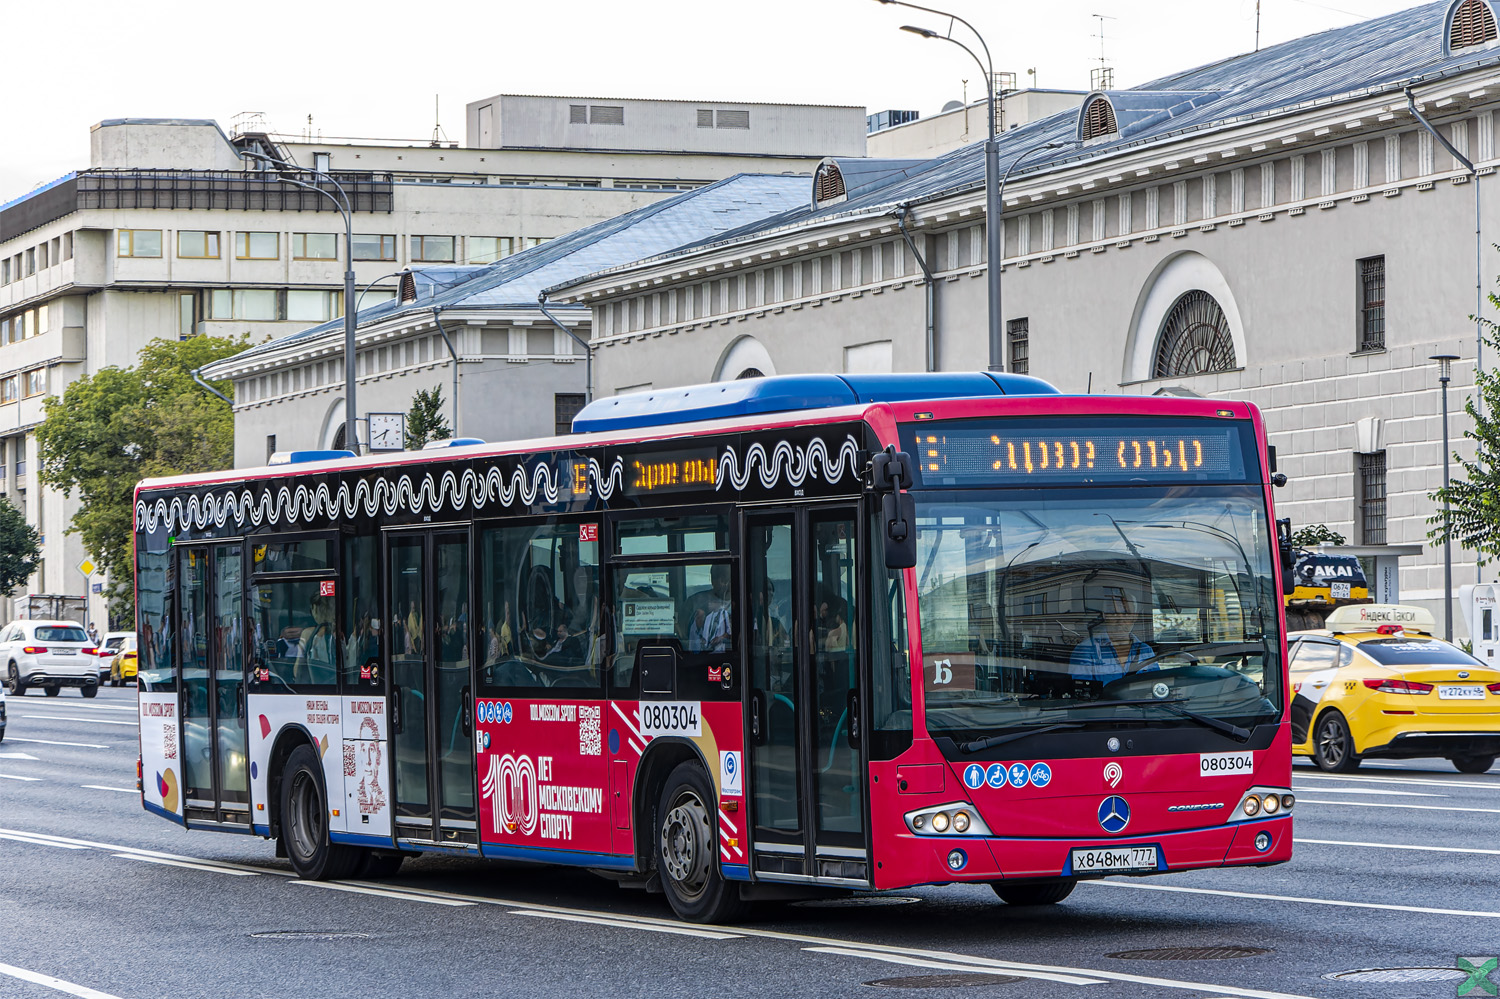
(1175, 703)
(999, 740)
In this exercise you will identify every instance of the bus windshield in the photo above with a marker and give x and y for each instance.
(1098, 607)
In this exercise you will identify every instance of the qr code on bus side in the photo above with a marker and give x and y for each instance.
(169, 742)
(589, 717)
(348, 758)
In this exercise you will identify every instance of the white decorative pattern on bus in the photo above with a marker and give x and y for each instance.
(784, 463)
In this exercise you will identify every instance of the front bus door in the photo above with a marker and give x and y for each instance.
(807, 761)
(216, 790)
(427, 600)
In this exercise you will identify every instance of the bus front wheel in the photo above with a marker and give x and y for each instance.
(304, 821)
(1036, 893)
(687, 850)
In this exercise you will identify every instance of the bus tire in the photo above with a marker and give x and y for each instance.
(1035, 893)
(304, 821)
(1333, 745)
(686, 850)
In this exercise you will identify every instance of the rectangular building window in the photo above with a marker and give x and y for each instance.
(312, 306)
(578, 114)
(31, 261)
(1018, 334)
(34, 382)
(257, 245)
(195, 245)
(44, 257)
(187, 315)
(488, 249)
(705, 117)
(5, 271)
(138, 243)
(253, 304)
(67, 246)
(4, 332)
(315, 246)
(606, 114)
(10, 389)
(1372, 303)
(432, 249)
(1370, 472)
(20, 456)
(368, 246)
(565, 406)
(732, 119)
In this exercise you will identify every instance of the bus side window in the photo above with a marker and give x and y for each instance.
(362, 629)
(890, 667)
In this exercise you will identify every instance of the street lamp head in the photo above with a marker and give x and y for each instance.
(1445, 365)
(924, 32)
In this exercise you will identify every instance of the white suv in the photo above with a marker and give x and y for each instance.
(50, 655)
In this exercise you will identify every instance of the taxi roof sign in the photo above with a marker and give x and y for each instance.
(1369, 617)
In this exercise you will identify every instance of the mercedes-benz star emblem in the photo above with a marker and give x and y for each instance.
(1114, 814)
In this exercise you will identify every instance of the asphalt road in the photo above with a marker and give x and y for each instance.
(1397, 866)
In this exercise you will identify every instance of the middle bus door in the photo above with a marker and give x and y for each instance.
(807, 761)
(429, 605)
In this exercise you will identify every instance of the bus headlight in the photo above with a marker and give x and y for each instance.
(1262, 803)
(940, 822)
(959, 819)
(1271, 804)
(1251, 804)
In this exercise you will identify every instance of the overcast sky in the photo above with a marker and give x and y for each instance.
(72, 65)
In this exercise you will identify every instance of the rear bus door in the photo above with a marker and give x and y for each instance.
(211, 654)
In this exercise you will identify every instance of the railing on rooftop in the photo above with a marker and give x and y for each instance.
(234, 190)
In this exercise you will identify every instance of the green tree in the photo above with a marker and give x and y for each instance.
(20, 548)
(1316, 534)
(111, 429)
(1473, 492)
(425, 421)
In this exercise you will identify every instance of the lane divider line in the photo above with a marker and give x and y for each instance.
(1373, 790)
(34, 841)
(384, 893)
(212, 869)
(684, 930)
(1401, 846)
(1303, 901)
(1378, 804)
(1423, 781)
(51, 742)
(973, 969)
(48, 839)
(106, 787)
(91, 721)
(15, 777)
(81, 991)
(18, 756)
(71, 705)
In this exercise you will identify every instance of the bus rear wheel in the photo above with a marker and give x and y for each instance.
(1035, 893)
(304, 822)
(687, 850)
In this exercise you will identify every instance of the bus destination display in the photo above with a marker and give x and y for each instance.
(1012, 452)
(671, 471)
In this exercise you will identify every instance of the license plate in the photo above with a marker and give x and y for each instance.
(1461, 693)
(62, 652)
(1120, 858)
(1340, 590)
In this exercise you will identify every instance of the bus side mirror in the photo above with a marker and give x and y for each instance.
(1288, 556)
(899, 514)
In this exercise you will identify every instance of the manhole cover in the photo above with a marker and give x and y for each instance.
(1398, 975)
(311, 935)
(839, 903)
(954, 981)
(1190, 953)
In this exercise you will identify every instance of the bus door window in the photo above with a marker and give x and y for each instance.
(409, 676)
(450, 647)
(835, 593)
(229, 641)
(775, 776)
(363, 628)
(192, 640)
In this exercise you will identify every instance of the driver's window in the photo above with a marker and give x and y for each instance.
(539, 600)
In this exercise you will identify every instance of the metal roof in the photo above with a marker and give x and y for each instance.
(517, 280)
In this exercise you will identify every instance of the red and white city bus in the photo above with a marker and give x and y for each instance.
(762, 639)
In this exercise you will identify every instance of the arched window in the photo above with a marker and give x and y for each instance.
(1194, 338)
(1473, 24)
(828, 184)
(1098, 118)
(750, 373)
(339, 438)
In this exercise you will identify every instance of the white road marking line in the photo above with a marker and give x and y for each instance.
(112, 847)
(1380, 804)
(1401, 846)
(1424, 781)
(916, 962)
(1304, 901)
(35, 841)
(211, 868)
(91, 721)
(15, 777)
(106, 787)
(49, 742)
(362, 890)
(71, 705)
(16, 756)
(1373, 790)
(686, 931)
(81, 991)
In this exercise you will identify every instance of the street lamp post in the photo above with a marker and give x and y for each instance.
(994, 241)
(1445, 372)
(351, 419)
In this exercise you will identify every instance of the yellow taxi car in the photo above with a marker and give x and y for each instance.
(122, 668)
(1376, 683)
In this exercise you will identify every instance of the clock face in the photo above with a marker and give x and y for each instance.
(387, 431)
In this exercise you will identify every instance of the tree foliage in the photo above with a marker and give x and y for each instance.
(425, 421)
(1473, 491)
(20, 548)
(1316, 534)
(117, 426)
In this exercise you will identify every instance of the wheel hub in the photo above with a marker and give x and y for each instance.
(685, 843)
